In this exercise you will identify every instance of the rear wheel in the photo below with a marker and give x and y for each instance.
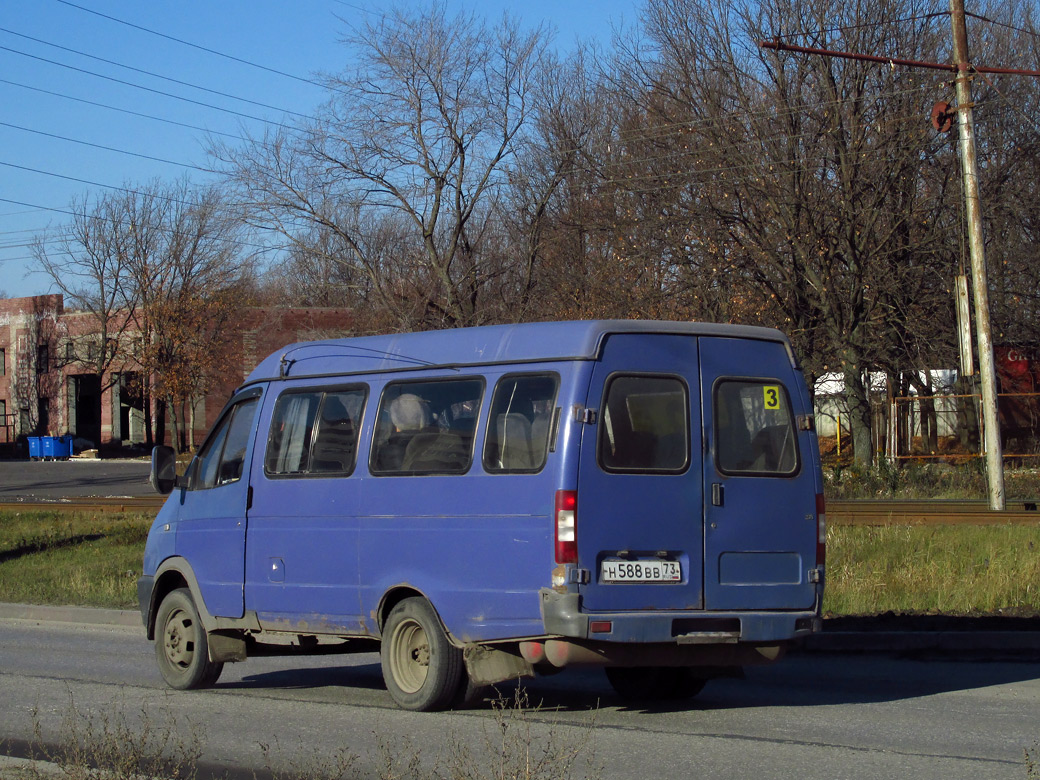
(655, 683)
(423, 671)
(181, 648)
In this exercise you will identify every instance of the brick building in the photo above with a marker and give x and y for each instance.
(48, 385)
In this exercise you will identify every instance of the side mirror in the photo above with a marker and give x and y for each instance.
(163, 477)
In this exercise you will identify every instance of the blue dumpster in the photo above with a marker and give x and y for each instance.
(35, 451)
(55, 447)
(64, 446)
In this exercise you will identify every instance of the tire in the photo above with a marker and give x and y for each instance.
(181, 648)
(469, 694)
(422, 670)
(655, 683)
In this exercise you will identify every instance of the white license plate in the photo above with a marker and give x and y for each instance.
(640, 571)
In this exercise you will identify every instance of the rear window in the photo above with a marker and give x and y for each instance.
(315, 432)
(645, 424)
(426, 427)
(754, 428)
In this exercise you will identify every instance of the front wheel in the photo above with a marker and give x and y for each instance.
(422, 669)
(181, 648)
(655, 683)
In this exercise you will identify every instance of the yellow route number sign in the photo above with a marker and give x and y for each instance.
(772, 397)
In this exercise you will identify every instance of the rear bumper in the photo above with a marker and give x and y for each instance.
(562, 616)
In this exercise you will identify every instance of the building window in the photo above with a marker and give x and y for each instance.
(43, 359)
(3, 361)
(43, 415)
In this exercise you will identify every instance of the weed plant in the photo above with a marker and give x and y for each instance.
(509, 747)
(117, 743)
(935, 481)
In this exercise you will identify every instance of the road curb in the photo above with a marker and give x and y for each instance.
(996, 643)
(986, 642)
(66, 614)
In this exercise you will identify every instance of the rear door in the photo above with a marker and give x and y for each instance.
(759, 478)
(640, 528)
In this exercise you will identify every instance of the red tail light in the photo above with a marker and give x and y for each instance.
(821, 531)
(566, 526)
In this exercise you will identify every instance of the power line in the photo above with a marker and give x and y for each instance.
(245, 244)
(155, 75)
(120, 110)
(144, 88)
(847, 28)
(193, 45)
(107, 148)
(78, 181)
(1025, 31)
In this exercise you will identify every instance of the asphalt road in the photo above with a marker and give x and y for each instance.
(56, 479)
(811, 716)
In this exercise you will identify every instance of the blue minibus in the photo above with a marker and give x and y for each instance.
(490, 503)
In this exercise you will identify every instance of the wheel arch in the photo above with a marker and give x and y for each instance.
(176, 573)
(399, 593)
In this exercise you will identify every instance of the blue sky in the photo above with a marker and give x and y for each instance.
(66, 128)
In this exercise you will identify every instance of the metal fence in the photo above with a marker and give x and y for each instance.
(936, 427)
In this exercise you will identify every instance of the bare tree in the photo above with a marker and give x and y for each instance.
(417, 143)
(795, 191)
(193, 283)
(89, 262)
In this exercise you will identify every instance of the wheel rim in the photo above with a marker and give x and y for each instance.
(409, 656)
(179, 639)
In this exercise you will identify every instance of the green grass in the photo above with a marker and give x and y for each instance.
(49, 557)
(95, 560)
(957, 569)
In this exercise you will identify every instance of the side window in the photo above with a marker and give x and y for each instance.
(518, 426)
(426, 427)
(223, 456)
(292, 424)
(335, 438)
(645, 424)
(315, 432)
(754, 428)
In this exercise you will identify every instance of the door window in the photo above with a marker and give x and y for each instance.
(645, 424)
(754, 428)
(223, 455)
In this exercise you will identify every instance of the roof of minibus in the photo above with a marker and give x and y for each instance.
(519, 343)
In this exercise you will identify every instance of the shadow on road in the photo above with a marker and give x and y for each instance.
(797, 681)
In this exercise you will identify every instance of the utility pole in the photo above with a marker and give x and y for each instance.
(977, 253)
(966, 125)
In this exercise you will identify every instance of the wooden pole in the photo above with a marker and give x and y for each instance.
(977, 251)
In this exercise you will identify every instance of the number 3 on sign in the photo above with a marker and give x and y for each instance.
(772, 396)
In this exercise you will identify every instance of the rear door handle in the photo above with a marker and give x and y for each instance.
(716, 494)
